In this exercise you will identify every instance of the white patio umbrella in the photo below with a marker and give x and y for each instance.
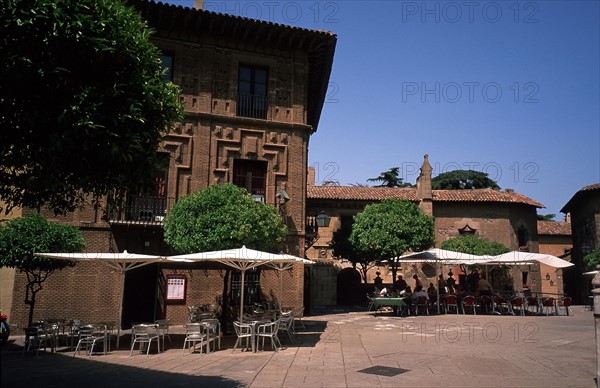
(241, 259)
(524, 258)
(441, 256)
(121, 261)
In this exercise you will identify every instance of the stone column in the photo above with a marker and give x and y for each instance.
(596, 295)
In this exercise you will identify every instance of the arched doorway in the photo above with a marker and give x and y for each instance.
(349, 290)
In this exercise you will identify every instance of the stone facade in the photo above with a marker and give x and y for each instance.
(259, 135)
(506, 217)
(584, 211)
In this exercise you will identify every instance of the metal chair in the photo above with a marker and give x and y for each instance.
(485, 301)
(468, 302)
(35, 338)
(532, 303)
(268, 330)
(451, 302)
(566, 304)
(213, 331)
(286, 325)
(163, 331)
(89, 335)
(548, 306)
(517, 302)
(144, 335)
(195, 332)
(501, 305)
(244, 331)
(422, 303)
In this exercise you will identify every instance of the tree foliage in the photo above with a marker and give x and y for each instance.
(390, 178)
(223, 217)
(388, 229)
(546, 217)
(592, 259)
(83, 103)
(474, 245)
(463, 179)
(22, 237)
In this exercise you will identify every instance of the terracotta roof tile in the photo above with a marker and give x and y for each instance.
(483, 195)
(554, 227)
(353, 193)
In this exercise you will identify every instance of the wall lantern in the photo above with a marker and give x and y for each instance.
(450, 273)
(323, 220)
(551, 282)
(547, 276)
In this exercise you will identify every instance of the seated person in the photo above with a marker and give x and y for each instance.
(485, 288)
(383, 292)
(419, 292)
(431, 291)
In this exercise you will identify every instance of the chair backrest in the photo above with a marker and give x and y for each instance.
(517, 301)
(193, 328)
(566, 301)
(451, 299)
(485, 299)
(299, 312)
(532, 300)
(242, 328)
(422, 300)
(548, 302)
(86, 331)
(469, 300)
(141, 331)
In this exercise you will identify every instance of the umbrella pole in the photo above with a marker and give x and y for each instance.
(281, 290)
(242, 297)
(438, 288)
(121, 307)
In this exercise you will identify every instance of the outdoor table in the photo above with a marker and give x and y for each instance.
(391, 302)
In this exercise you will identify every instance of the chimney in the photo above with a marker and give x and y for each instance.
(311, 176)
(424, 192)
(199, 4)
(509, 191)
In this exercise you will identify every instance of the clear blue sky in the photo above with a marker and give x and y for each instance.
(505, 87)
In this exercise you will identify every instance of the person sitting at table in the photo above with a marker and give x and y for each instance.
(450, 282)
(485, 288)
(400, 284)
(431, 291)
(378, 281)
(418, 293)
(383, 292)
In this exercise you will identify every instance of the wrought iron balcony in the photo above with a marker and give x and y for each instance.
(140, 209)
(249, 105)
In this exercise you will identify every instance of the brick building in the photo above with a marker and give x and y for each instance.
(253, 92)
(503, 216)
(554, 239)
(584, 211)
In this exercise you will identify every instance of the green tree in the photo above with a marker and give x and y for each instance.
(83, 102)
(390, 178)
(22, 237)
(592, 259)
(463, 179)
(223, 217)
(546, 217)
(390, 228)
(474, 245)
(344, 249)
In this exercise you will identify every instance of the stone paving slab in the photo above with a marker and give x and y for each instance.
(445, 350)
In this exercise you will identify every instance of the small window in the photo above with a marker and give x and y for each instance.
(252, 92)
(176, 287)
(167, 64)
(252, 176)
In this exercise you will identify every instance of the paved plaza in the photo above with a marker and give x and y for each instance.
(346, 349)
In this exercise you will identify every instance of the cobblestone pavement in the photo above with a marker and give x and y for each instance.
(345, 349)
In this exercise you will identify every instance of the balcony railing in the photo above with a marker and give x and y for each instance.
(141, 209)
(249, 105)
